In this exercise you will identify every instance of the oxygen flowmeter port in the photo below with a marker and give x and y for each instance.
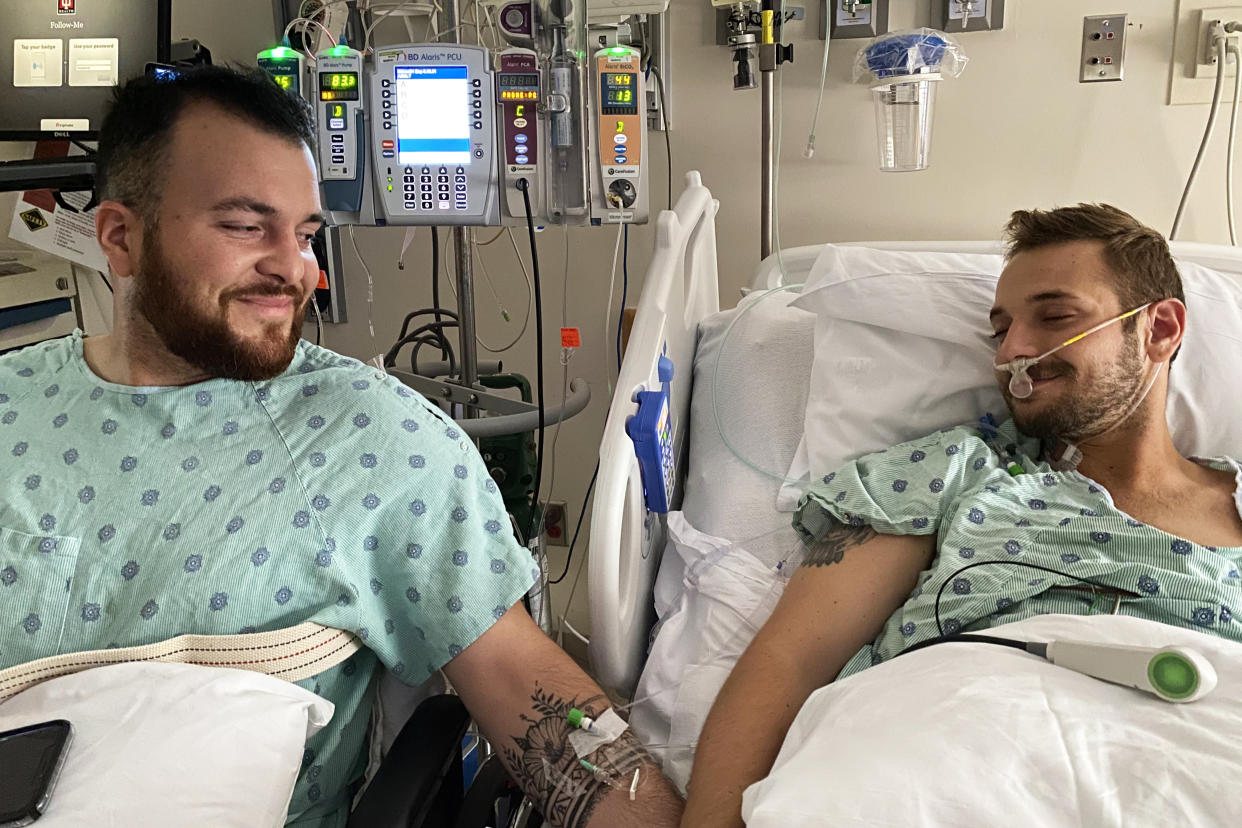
(621, 192)
(651, 430)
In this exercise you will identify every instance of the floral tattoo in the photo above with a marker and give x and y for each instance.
(543, 761)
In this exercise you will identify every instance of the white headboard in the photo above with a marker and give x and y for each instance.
(793, 265)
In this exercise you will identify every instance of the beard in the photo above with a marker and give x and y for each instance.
(1081, 411)
(199, 333)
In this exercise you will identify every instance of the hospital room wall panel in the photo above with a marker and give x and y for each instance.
(1015, 130)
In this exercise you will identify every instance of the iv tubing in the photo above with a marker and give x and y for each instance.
(823, 81)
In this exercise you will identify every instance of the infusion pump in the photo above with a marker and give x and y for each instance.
(431, 134)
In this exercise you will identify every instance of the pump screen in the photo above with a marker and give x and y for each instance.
(433, 115)
(338, 86)
(518, 87)
(617, 89)
(509, 79)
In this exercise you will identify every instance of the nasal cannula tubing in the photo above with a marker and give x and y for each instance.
(1020, 384)
(716, 393)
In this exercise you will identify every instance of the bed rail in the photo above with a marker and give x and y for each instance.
(626, 540)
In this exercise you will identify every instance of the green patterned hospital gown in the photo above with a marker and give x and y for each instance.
(955, 485)
(331, 493)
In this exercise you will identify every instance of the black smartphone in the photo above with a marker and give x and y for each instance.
(162, 72)
(31, 758)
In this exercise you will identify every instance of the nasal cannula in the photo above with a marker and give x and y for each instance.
(1020, 384)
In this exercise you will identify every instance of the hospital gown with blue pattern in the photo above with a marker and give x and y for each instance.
(331, 493)
(956, 485)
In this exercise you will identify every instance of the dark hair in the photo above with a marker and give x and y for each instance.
(1138, 256)
(134, 138)
(1143, 269)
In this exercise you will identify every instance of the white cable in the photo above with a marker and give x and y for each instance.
(487, 278)
(530, 299)
(1232, 48)
(612, 283)
(1221, 58)
(576, 634)
(823, 82)
(366, 34)
(370, 282)
(556, 432)
(497, 37)
(452, 278)
(569, 601)
(306, 21)
(433, 21)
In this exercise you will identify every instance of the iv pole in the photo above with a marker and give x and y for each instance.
(463, 254)
(767, 83)
(771, 55)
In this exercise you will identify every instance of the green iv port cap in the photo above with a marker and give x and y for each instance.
(1173, 675)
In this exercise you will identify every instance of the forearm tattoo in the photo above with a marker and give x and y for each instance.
(544, 764)
(831, 548)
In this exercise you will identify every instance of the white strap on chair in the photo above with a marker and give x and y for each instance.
(292, 654)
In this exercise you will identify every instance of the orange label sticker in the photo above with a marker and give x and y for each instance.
(323, 281)
(570, 338)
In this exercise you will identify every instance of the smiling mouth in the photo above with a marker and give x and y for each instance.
(271, 303)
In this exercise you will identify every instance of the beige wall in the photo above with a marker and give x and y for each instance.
(1016, 130)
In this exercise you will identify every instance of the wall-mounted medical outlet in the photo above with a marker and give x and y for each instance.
(854, 18)
(1103, 48)
(1194, 70)
(753, 24)
(955, 16)
(555, 516)
(1211, 22)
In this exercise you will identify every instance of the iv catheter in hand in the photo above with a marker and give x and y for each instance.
(1020, 384)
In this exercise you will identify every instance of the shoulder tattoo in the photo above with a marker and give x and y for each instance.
(831, 548)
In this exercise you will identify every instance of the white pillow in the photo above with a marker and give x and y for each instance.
(173, 744)
(980, 735)
(901, 350)
(752, 365)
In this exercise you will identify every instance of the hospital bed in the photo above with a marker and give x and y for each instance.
(628, 541)
(740, 457)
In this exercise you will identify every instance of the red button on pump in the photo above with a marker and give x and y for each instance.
(388, 144)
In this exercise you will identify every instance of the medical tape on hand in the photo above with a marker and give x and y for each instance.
(607, 729)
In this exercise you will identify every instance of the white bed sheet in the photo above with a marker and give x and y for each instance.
(978, 735)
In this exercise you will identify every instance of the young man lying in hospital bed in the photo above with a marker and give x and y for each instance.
(203, 470)
(1084, 479)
